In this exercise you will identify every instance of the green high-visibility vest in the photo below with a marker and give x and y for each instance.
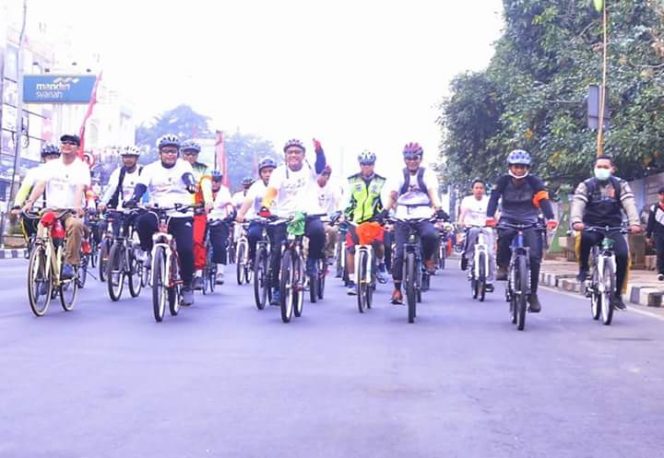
(365, 200)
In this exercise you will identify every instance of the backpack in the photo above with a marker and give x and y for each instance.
(113, 201)
(420, 181)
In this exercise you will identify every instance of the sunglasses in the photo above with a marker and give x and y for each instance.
(413, 157)
(367, 163)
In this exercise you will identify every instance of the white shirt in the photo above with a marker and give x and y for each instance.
(256, 194)
(329, 198)
(474, 210)
(414, 203)
(165, 186)
(62, 181)
(296, 190)
(128, 185)
(222, 204)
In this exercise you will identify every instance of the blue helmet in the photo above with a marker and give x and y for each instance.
(216, 175)
(190, 145)
(168, 140)
(266, 162)
(49, 149)
(366, 157)
(519, 157)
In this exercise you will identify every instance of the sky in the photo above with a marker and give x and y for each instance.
(355, 74)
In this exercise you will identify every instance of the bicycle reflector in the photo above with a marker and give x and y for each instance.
(48, 219)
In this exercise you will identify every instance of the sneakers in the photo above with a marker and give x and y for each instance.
(618, 302)
(534, 303)
(501, 275)
(351, 288)
(67, 272)
(43, 287)
(187, 297)
(220, 278)
(430, 266)
(583, 275)
(276, 297)
(464, 262)
(198, 282)
(489, 287)
(660, 277)
(381, 274)
(397, 297)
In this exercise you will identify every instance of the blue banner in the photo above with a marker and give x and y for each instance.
(58, 88)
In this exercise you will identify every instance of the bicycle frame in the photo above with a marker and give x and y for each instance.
(481, 247)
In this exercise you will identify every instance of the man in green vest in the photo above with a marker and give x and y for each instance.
(362, 195)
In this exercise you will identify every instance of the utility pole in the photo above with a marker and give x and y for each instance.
(602, 91)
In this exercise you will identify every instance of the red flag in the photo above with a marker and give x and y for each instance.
(88, 113)
(220, 153)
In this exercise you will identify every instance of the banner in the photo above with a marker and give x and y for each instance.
(88, 113)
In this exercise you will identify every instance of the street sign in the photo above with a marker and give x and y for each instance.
(58, 88)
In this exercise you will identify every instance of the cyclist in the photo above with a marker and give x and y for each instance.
(189, 150)
(473, 217)
(121, 183)
(329, 199)
(238, 199)
(413, 195)
(599, 201)
(222, 211)
(49, 152)
(64, 181)
(293, 186)
(170, 181)
(523, 198)
(252, 204)
(363, 203)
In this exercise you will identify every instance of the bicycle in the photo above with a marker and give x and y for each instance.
(601, 285)
(123, 264)
(166, 282)
(365, 269)
(262, 275)
(518, 278)
(45, 265)
(479, 268)
(105, 246)
(242, 266)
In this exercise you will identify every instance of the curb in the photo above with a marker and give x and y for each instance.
(645, 295)
(12, 254)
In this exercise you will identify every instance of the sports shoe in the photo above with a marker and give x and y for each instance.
(430, 266)
(464, 262)
(351, 288)
(534, 303)
(397, 297)
(276, 297)
(660, 277)
(381, 274)
(198, 282)
(220, 278)
(582, 275)
(67, 272)
(489, 287)
(501, 275)
(187, 297)
(618, 302)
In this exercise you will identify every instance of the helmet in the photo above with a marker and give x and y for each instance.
(247, 181)
(366, 157)
(266, 162)
(49, 149)
(216, 175)
(518, 156)
(168, 140)
(71, 138)
(294, 142)
(130, 150)
(190, 145)
(412, 149)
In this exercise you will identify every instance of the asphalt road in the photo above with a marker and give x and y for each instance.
(225, 379)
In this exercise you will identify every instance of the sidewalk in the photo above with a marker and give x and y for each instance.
(643, 288)
(7, 253)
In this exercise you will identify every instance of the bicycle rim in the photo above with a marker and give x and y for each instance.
(114, 272)
(239, 263)
(298, 291)
(68, 293)
(482, 277)
(362, 280)
(608, 281)
(260, 283)
(39, 278)
(104, 250)
(595, 297)
(521, 288)
(159, 284)
(135, 277)
(409, 280)
(286, 287)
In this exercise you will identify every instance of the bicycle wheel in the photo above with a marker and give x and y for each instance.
(93, 253)
(313, 287)
(521, 286)
(298, 296)
(322, 270)
(69, 291)
(135, 275)
(40, 284)
(159, 283)
(607, 289)
(115, 271)
(409, 280)
(481, 281)
(286, 286)
(82, 273)
(362, 281)
(104, 250)
(239, 264)
(260, 278)
(595, 296)
(174, 291)
(442, 253)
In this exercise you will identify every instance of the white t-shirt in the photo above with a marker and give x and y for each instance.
(128, 184)
(256, 194)
(62, 181)
(296, 190)
(238, 199)
(165, 186)
(414, 203)
(329, 198)
(222, 202)
(475, 210)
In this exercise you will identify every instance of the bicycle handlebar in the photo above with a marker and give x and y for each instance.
(606, 229)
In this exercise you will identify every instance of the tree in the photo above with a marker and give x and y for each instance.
(550, 52)
(244, 151)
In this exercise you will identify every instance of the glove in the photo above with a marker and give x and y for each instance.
(317, 146)
(441, 214)
(131, 203)
(491, 222)
(264, 212)
(191, 188)
(551, 225)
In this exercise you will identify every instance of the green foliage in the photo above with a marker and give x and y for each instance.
(243, 152)
(532, 95)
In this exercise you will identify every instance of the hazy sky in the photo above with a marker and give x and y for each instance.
(356, 74)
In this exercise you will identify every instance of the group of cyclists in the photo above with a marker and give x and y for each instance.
(202, 208)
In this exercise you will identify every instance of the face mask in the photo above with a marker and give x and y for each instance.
(509, 172)
(602, 174)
